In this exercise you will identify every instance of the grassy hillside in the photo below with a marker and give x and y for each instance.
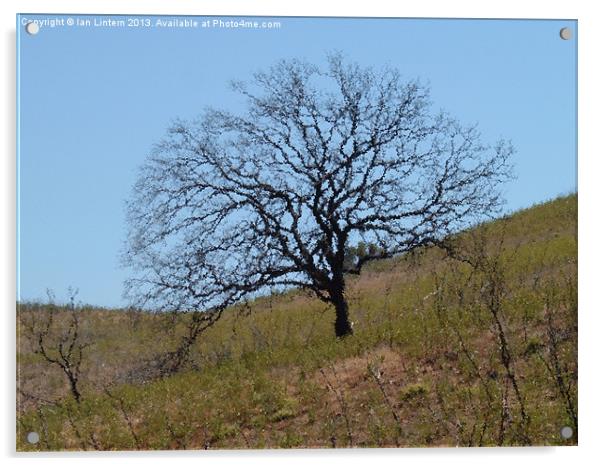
(444, 353)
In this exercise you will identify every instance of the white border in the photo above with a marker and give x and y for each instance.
(590, 324)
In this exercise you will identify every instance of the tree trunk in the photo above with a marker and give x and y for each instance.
(342, 326)
(73, 384)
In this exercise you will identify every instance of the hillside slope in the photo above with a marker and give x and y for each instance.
(444, 353)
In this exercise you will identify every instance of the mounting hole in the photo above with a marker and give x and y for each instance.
(33, 437)
(566, 33)
(32, 28)
(566, 432)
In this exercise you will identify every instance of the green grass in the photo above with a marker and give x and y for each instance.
(275, 377)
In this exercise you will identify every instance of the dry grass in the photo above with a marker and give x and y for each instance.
(423, 368)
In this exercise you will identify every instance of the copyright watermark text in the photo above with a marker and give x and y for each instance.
(145, 22)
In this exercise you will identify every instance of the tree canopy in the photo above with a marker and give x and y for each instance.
(323, 161)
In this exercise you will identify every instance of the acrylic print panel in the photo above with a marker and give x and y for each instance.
(249, 232)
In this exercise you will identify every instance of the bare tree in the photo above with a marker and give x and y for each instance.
(232, 205)
(58, 339)
(489, 271)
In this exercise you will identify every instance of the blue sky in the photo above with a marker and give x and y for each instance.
(93, 100)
